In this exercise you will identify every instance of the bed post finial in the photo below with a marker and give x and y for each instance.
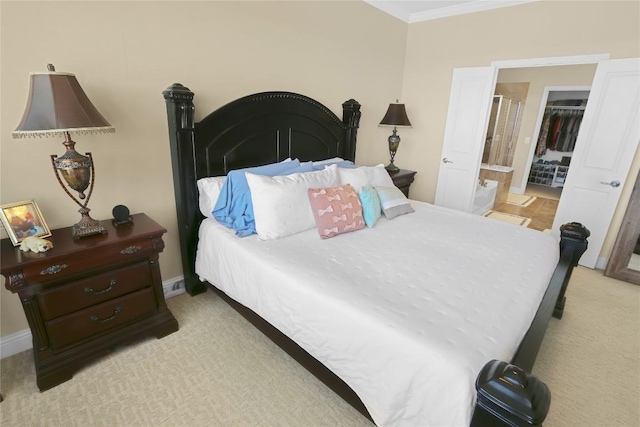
(509, 396)
(180, 118)
(351, 117)
(182, 97)
(573, 242)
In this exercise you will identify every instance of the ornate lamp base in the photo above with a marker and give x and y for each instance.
(79, 173)
(87, 225)
(391, 167)
(394, 143)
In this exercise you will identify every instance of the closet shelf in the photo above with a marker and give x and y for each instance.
(548, 174)
(566, 107)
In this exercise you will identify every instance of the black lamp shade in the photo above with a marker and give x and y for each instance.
(396, 116)
(57, 104)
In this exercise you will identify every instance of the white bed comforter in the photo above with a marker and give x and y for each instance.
(406, 313)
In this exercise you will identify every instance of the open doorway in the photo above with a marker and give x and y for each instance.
(555, 140)
(500, 143)
(546, 135)
(608, 139)
(552, 145)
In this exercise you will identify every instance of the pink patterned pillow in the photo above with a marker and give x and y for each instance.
(336, 210)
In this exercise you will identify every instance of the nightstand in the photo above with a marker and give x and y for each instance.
(403, 179)
(85, 297)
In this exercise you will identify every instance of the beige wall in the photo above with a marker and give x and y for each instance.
(126, 53)
(534, 30)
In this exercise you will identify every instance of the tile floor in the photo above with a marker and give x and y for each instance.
(541, 211)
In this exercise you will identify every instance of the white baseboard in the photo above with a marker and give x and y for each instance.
(601, 263)
(22, 341)
(173, 287)
(15, 343)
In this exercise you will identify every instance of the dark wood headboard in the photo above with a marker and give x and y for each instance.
(254, 130)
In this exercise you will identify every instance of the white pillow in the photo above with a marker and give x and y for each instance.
(375, 176)
(281, 204)
(328, 161)
(209, 190)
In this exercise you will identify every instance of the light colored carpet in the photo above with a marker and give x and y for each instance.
(510, 218)
(220, 371)
(523, 200)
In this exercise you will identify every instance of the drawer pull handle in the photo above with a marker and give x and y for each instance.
(117, 311)
(112, 283)
(130, 250)
(54, 269)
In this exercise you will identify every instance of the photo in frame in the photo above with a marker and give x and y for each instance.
(23, 219)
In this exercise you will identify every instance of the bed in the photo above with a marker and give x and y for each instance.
(282, 288)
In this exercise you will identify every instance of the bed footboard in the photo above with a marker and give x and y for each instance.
(507, 394)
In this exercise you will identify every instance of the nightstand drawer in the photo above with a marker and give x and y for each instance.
(93, 320)
(94, 290)
(75, 263)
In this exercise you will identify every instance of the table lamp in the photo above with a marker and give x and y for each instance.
(397, 117)
(57, 106)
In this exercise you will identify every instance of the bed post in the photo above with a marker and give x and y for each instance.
(351, 117)
(180, 115)
(573, 241)
(507, 394)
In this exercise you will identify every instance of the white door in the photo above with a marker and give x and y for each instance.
(605, 148)
(465, 131)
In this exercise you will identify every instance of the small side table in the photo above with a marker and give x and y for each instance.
(85, 297)
(403, 179)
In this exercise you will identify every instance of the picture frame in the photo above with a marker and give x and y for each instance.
(22, 220)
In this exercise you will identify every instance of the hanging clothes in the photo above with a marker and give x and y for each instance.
(560, 127)
(541, 148)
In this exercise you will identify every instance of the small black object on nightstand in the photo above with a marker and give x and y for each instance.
(121, 215)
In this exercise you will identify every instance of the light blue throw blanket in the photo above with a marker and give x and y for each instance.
(234, 208)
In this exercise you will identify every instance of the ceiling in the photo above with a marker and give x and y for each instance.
(424, 10)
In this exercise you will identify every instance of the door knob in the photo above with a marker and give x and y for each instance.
(614, 184)
(445, 160)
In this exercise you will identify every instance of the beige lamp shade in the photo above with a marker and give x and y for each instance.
(57, 104)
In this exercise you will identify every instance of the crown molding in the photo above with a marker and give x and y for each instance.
(551, 61)
(390, 8)
(394, 9)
